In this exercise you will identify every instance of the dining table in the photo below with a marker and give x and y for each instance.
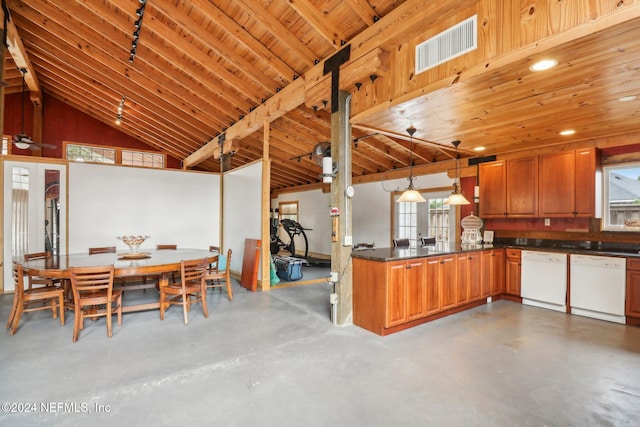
(150, 262)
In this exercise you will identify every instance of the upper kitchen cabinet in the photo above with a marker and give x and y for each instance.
(567, 184)
(509, 188)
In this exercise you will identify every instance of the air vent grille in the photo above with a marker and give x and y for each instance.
(449, 44)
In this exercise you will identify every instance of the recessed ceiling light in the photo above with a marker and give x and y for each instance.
(627, 98)
(567, 132)
(479, 149)
(545, 64)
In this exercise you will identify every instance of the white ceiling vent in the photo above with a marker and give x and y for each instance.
(451, 43)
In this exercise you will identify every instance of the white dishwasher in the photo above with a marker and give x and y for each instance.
(544, 280)
(598, 285)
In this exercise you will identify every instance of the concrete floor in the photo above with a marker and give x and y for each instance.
(275, 359)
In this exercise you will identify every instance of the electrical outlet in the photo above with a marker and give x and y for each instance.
(333, 277)
(333, 298)
(348, 241)
(547, 222)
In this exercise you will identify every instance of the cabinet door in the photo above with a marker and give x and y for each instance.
(396, 310)
(493, 190)
(462, 284)
(475, 277)
(416, 289)
(585, 183)
(447, 278)
(497, 271)
(433, 290)
(485, 274)
(522, 187)
(557, 184)
(632, 308)
(512, 272)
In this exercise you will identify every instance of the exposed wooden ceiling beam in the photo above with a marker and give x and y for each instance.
(364, 10)
(21, 59)
(313, 16)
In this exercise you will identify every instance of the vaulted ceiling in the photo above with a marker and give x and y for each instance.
(191, 69)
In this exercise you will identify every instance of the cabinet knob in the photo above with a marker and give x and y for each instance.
(409, 267)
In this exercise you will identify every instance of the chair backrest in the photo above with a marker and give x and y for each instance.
(88, 280)
(102, 250)
(18, 279)
(193, 272)
(37, 255)
(228, 263)
(424, 241)
(400, 243)
(161, 247)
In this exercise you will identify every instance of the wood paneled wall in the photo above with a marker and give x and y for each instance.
(64, 123)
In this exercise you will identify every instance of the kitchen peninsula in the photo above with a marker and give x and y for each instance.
(398, 288)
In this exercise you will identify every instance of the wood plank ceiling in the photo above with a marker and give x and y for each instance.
(200, 66)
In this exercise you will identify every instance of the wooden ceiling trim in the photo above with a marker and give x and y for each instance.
(271, 24)
(318, 22)
(144, 79)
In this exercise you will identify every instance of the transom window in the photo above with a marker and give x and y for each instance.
(113, 155)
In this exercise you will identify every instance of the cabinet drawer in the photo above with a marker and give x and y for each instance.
(514, 253)
(633, 263)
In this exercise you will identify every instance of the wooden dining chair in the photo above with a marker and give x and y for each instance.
(162, 247)
(25, 300)
(102, 250)
(35, 280)
(191, 288)
(94, 296)
(220, 275)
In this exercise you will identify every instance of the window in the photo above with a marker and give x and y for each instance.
(431, 219)
(113, 155)
(145, 159)
(621, 197)
(5, 145)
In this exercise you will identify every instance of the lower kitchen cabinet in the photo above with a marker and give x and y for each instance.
(492, 272)
(512, 272)
(632, 309)
(394, 295)
(468, 268)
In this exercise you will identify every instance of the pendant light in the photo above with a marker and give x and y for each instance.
(456, 197)
(410, 194)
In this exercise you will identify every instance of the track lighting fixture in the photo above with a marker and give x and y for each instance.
(137, 24)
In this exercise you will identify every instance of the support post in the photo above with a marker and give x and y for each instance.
(265, 277)
(341, 264)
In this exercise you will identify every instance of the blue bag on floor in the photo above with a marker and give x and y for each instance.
(288, 268)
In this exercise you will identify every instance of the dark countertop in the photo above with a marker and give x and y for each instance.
(441, 248)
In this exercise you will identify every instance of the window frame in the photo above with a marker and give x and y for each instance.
(429, 194)
(117, 154)
(606, 213)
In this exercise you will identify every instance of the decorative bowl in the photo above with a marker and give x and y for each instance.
(133, 242)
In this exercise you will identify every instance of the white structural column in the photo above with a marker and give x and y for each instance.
(342, 312)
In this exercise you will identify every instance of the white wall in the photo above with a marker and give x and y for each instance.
(371, 211)
(242, 210)
(171, 206)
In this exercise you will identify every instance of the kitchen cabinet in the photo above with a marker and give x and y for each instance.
(492, 272)
(512, 272)
(406, 297)
(468, 270)
(632, 308)
(509, 188)
(447, 281)
(567, 183)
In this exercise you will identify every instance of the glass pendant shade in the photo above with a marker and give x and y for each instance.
(411, 195)
(456, 197)
(22, 145)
